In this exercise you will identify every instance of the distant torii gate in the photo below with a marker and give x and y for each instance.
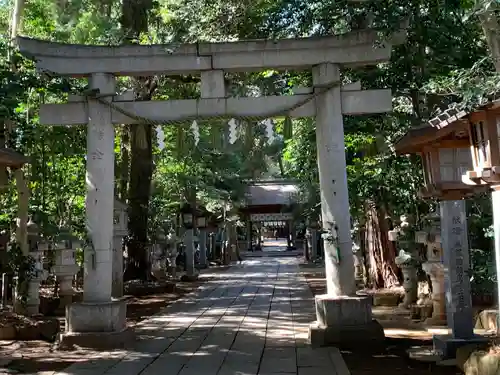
(269, 201)
(340, 313)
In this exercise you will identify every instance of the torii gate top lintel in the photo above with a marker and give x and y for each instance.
(354, 48)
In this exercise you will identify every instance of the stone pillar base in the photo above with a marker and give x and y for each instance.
(160, 274)
(190, 278)
(98, 325)
(64, 300)
(436, 321)
(446, 345)
(344, 322)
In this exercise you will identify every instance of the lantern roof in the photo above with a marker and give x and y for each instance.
(443, 142)
(11, 158)
(449, 126)
(454, 134)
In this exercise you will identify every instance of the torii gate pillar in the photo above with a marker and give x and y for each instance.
(342, 316)
(99, 321)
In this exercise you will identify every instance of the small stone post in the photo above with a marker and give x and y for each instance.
(259, 235)
(189, 246)
(211, 245)
(249, 235)
(203, 247)
(312, 243)
(289, 234)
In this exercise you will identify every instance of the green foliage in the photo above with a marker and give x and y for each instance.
(483, 280)
(23, 267)
(467, 88)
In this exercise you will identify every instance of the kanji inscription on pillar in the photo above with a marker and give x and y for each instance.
(457, 271)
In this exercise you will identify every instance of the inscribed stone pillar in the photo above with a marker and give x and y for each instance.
(456, 268)
(100, 193)
(335, 214)
(456, 280)
(203, 247)
(189, 245)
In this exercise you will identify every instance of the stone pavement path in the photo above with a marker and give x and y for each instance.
(251, 320)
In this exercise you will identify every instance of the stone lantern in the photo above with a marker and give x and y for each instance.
(407, 260)
(435, 269)
(65, 266)
(159, 256)
(202, 224)
(38, 274)
(172, 241)
(311, 238)
(120, 231)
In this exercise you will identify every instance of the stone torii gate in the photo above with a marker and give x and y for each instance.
(340, 314)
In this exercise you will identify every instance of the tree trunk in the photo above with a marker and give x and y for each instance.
(134, 21)
(381, 253)
(139, 191)
(16, 20)
(489, 23)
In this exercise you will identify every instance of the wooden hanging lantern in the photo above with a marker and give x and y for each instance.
(446, 157)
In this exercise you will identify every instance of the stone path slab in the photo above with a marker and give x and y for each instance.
(250, 320)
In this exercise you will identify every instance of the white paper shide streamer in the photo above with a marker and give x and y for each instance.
(160, 136)
(196, 132)
(232, 131)
(269, 124)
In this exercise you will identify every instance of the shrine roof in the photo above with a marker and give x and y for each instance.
(263, 193)
(11, 158)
